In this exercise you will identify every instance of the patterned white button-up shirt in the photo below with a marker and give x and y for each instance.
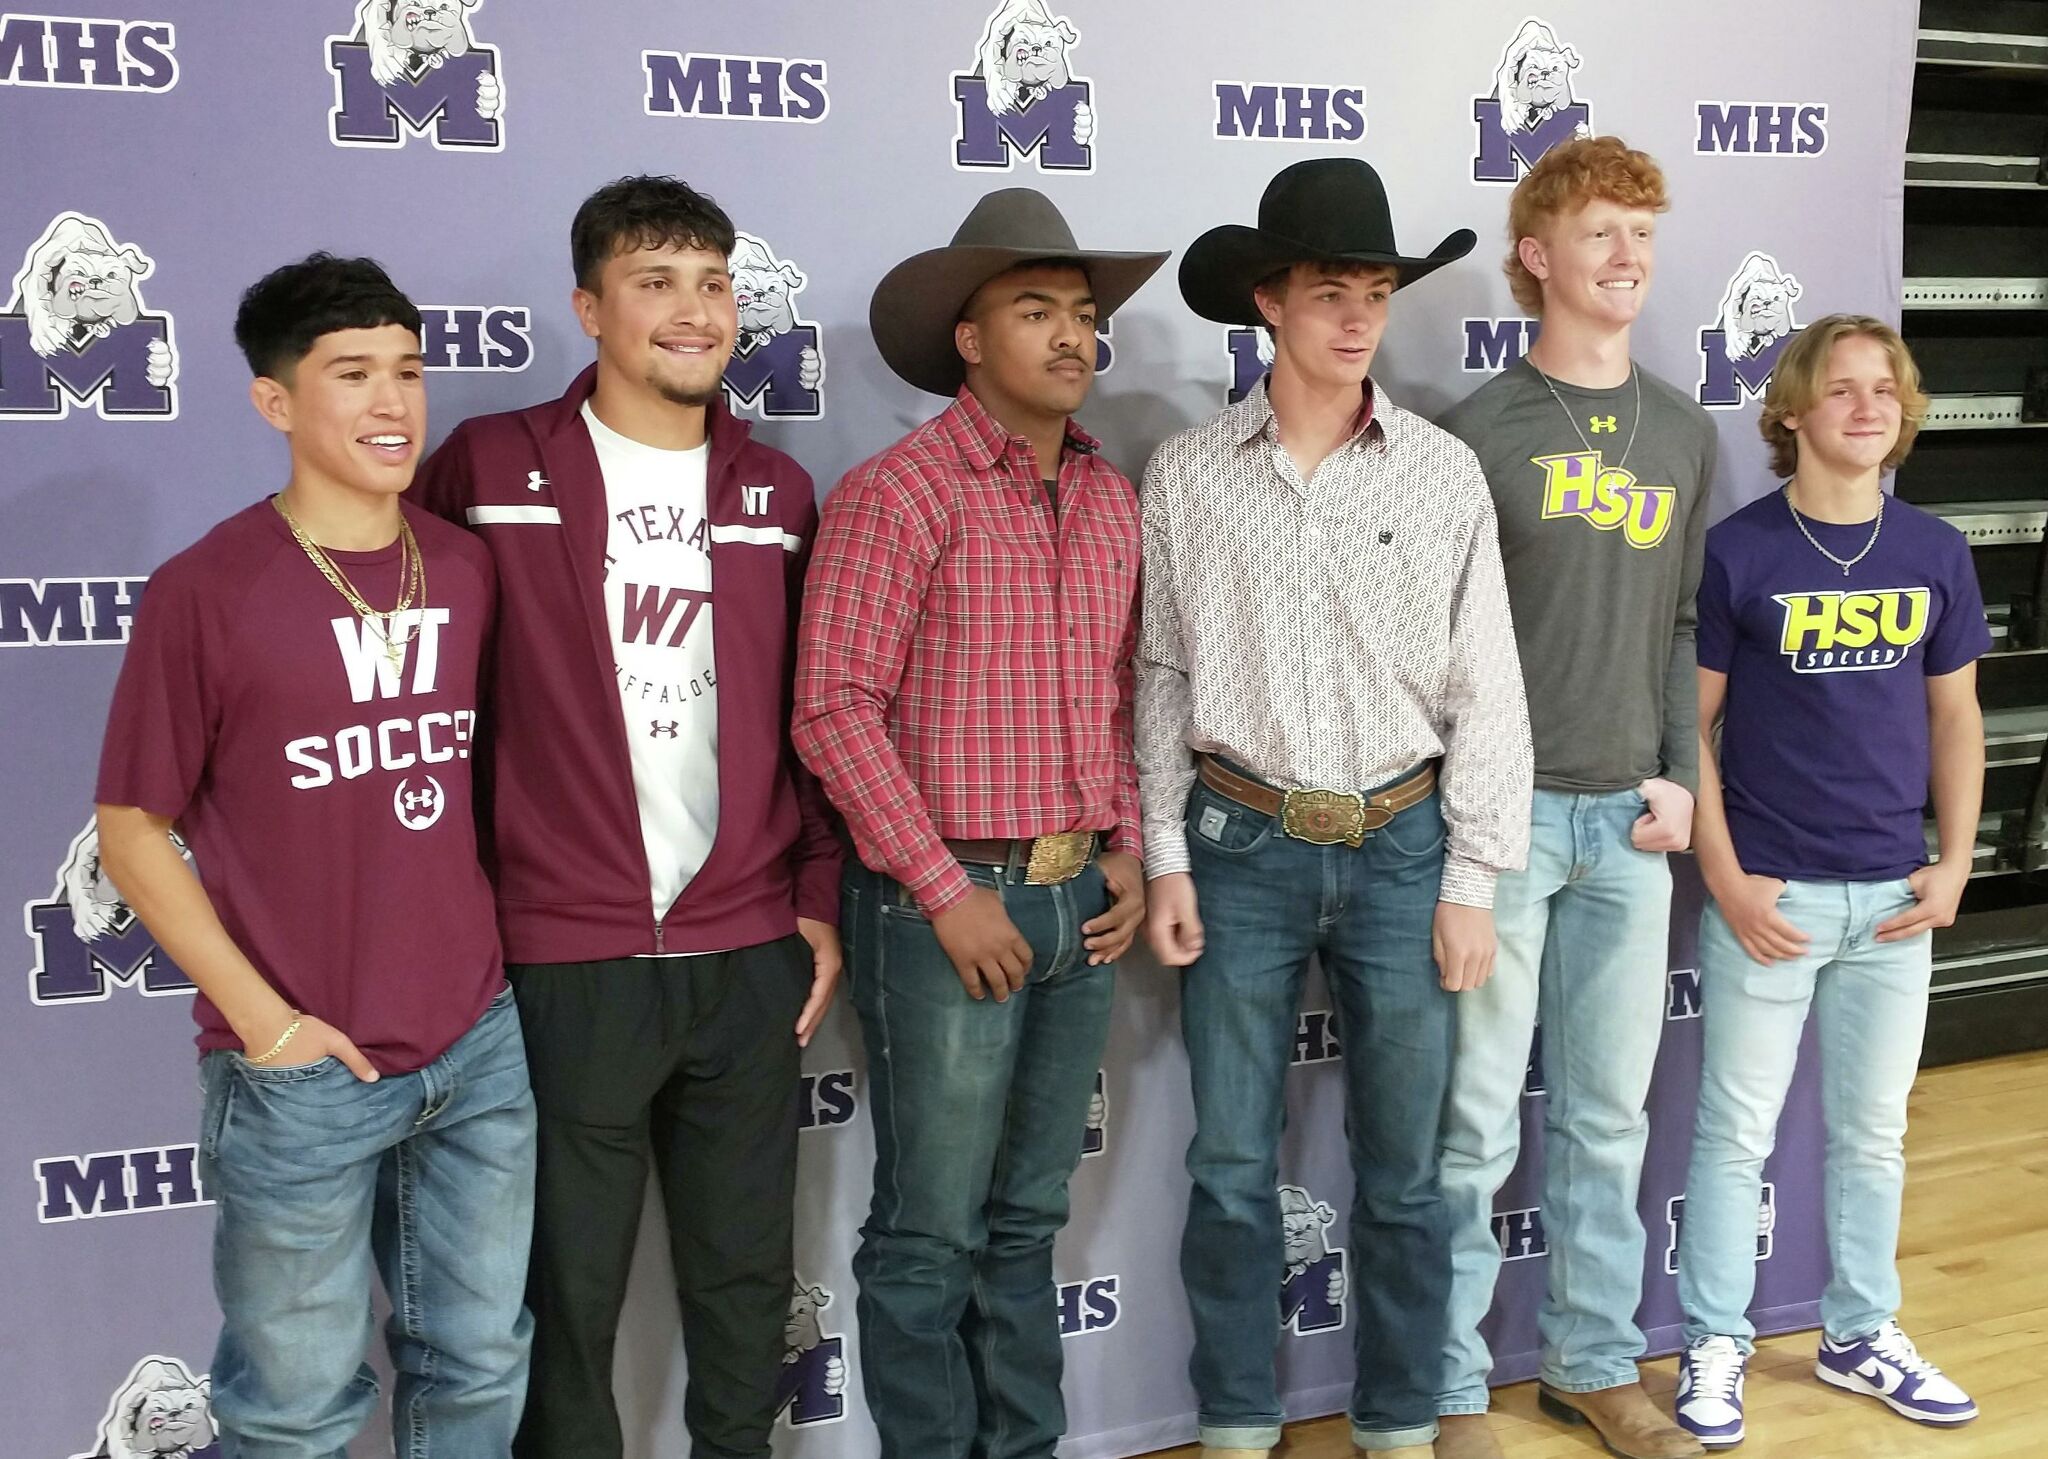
(1333, 633)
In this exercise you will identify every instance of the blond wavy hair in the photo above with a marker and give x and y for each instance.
(1801, 375)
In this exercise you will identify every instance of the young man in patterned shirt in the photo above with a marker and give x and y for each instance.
(964, 693)
(1600, 473)
(1333, 759)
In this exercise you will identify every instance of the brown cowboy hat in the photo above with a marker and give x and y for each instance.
(1327, 210)
(919, 301)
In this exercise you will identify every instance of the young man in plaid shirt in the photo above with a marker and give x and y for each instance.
(964, 692)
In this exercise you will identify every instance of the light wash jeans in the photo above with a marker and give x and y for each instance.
(319, 1177)
(1869, 999)
(1584, 940)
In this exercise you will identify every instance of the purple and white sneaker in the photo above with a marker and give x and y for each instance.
(1709, 1403)
(1886, 1366)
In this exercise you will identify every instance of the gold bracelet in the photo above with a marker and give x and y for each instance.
(282, 1039)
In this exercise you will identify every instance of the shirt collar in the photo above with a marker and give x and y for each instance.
(981, 440)
(1252, 417)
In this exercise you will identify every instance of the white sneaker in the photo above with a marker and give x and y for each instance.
(1709, 1402)
(1886, 1366)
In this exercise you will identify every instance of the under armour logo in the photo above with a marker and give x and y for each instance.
(657, 728)
(755, 499)
(535, 481)
(1601, 423)
(418, 808)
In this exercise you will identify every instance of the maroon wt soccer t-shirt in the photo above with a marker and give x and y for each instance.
(325, 794)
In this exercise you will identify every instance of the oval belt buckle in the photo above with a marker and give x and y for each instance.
(1324, 817)
(1058, 858)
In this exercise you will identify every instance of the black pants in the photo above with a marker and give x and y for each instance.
(694, 1061)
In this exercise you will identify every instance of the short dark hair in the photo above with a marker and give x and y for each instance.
(286, 310)
(643, 212)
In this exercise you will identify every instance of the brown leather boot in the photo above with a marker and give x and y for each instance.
(1624, 1418)
(1465, 1436)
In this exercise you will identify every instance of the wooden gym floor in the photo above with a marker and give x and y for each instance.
(1974, 1259)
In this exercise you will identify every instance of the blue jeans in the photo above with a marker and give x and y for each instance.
(979, 1111)
(318, 1178)
(1267, 902)
(1869, 999)
(1584, 942)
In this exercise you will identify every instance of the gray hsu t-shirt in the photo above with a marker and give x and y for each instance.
(1602, 552)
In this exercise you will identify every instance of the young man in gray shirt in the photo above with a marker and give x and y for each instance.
(1600, 474)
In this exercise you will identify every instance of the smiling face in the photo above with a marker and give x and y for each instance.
(1594, 265)
(664, 321)
(1326, 322)
(355, 407)
(1853, 423)
(1028, 338)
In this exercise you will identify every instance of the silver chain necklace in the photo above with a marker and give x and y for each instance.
(1635, 422)
(1800, 522)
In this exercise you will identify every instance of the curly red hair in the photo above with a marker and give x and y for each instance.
(1566, 178)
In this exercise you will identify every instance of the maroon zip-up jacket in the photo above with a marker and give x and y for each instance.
(563, 840)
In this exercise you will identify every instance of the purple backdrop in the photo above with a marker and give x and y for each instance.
(160, 159)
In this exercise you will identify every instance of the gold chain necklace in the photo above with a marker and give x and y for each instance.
(412, 576)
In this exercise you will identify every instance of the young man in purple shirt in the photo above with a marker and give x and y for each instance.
(1839, 631)
(299, 701)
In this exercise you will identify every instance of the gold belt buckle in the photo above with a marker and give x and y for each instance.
(1326, 817)
(1058, 858)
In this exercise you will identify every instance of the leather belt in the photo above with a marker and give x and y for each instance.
(1046, 860)
(1320, 817)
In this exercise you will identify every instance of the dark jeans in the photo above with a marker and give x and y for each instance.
(1267, 902)
(979, 1113)
(692, 1060)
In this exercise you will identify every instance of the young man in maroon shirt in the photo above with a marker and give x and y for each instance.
(964, 692)
(299, 700)
(667, 873)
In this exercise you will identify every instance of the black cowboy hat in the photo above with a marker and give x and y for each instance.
(1327, 210)
(919, 301)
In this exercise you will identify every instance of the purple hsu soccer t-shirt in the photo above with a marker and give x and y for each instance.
(324, 793)
(1824, 744)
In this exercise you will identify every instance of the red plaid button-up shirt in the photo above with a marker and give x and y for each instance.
(965, 664)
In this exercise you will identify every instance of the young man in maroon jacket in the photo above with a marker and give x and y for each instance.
(667, 873)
